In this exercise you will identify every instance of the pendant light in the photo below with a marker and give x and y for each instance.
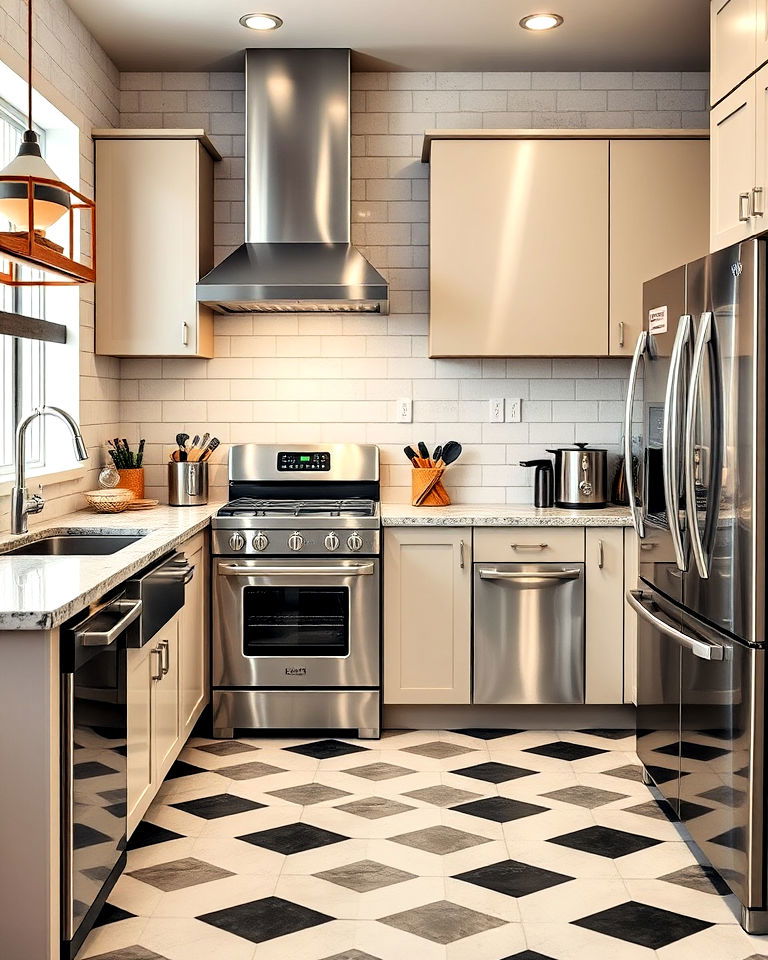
(50, 202)
(33, 199)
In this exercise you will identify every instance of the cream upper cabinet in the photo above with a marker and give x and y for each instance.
(760, 189)
(427, 614)
(659, 219)
(519, 248)
(604, 613)
(733, 166)
(737, 39)
(761, 27)
(154, 196)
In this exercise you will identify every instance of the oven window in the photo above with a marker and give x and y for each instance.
(296, 621)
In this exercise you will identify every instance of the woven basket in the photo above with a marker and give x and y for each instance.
(133, 480)
(109, 501)
(427, 489)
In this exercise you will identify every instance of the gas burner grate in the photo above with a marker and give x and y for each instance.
(252, 507)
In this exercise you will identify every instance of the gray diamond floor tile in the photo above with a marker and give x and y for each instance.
(442, 796)
(701, 878)
(629, 771)
(581, 796)
(248, 771)
(648, 809)
(438, 749)
(440, 840)
(309, 793)
(129, 953)
(374, 808)
(226, 748)
(442, 922)
(351, 955)
(365, 875)
(179, 874)
(379, 771)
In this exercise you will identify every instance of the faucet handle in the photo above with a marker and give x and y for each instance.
(36, 502)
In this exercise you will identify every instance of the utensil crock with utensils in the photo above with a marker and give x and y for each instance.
(188, 483)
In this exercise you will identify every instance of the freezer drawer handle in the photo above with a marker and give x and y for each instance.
(538, 575)
(237, 570)
(629, 474)
(705, 651)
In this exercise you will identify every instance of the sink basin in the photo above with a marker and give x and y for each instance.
(74, 545)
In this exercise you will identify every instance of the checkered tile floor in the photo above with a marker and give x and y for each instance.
(463, 845)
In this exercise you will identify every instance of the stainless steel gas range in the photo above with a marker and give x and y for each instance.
(296, 585)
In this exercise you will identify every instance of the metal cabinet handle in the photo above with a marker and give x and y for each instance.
(621, 333)
(529, 546)
(744, 215)
(757, 202)
(185, 334)
(532, 575)
(103, 638)
(157, 652)
(637, 518)
(669, 450)
(699, 351)
(699, 648)
(237, 570)
(165, 657)
(600, 554)
(461, 554)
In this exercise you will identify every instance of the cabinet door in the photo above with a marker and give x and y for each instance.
(761, 31)
(659, 219)
(760, 192)
(427, 615)
(630, 617)
(192, 645)
(733, 37)
(139, 667)
(165, 704)
(149, 195)
(605, 615)
(732, 171)
(519, 248)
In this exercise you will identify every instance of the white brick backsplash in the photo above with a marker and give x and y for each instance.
(304, 378)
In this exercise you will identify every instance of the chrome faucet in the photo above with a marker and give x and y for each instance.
(21, 502)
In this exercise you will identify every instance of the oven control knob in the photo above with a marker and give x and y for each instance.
(236, 541)
(331, 542)
(295, 541)
(260, 541)
(355, 542)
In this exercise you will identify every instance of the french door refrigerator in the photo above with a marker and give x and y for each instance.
(699, 513)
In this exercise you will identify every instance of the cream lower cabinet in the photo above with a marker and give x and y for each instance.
(427, 614)
(193, 646)
(631, 572)
(604, 611)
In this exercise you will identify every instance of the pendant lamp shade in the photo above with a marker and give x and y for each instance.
(50, 202)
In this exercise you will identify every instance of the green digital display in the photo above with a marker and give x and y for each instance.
(304, 459)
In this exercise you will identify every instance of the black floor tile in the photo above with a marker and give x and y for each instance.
(493, 772)
(563, 750)
(512, 878)
(692, 751)
(265, 919)
(323, 749)
(109, 913)
(486, 733)
(642, 924)
(528, 955)
(690, 811)
(663, 774)
(292, 838)
(117, 809)
(85, 836)
(734, 839)
(148, 833)
(500, 809)
(91, 768)
(220, 805)
(608, 734)
(605, 841)
(183, 769)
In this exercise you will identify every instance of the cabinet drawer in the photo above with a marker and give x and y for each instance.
(529, 543)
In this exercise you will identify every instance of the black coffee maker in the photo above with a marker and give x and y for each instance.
(543, 482)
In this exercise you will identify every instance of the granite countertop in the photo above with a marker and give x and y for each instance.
(500, 515)
(39, 593)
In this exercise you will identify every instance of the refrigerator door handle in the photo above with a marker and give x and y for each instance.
(699, 352)
(670, 454)
(699, 648)
(637, 517)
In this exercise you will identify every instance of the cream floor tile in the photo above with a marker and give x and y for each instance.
(113, 936)
(692, 903)
(319, 894)
(721, 942)
(502, 942)
(332, 855)
(479, 826)
(573, 900)
(656, 861)
(249, 822)
(312, 944)
(185, 939)
(160, 853)
(564, 941)
(433, 865)
(238, 856)
(349, 825)
(483, 900)
(636, 823)
(176, 820)
(187, 788)
(206, 897)
(134, 896)
(551, 856)
(554, 823)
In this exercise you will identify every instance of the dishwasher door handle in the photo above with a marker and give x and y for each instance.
(241, 570)
(520, 575)
(103, 638)
(705, 651)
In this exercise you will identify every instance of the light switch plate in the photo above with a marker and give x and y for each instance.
(496, 410)
(405, 410)
(514, 409)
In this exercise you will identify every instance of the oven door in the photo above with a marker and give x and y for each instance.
(296, 623)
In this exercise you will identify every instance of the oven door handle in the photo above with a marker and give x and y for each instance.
(241, 570)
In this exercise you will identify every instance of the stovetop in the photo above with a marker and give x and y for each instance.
(250, 507)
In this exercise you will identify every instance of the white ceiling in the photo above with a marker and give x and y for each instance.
(408, 34)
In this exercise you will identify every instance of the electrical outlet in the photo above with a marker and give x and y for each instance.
(496, 410)
(514, 409)
(405, 410)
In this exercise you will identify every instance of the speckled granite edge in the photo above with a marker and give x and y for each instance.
(399, 515)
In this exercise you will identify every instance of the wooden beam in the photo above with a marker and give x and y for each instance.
(31, 328)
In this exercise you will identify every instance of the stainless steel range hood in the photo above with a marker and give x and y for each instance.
(297, 257)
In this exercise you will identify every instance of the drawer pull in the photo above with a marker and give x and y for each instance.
(531, 575)
(529, 546)
(600, 555)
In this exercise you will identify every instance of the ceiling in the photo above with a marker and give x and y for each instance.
(407, 34)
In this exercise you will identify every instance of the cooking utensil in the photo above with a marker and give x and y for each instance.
(181, 440)
(581, 477)
(424, 452)
(215, 442)
(450, 454)
(412, 456)
(437, 452)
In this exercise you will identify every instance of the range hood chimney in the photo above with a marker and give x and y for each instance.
(297, 257)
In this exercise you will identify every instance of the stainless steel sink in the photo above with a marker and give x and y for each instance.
(74, 545)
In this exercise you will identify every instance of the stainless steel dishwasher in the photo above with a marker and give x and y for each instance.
(528, 633)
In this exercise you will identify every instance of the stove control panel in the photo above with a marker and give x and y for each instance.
(317, 460)
(287, 542)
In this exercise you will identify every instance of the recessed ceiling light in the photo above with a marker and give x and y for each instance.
(261, 21)
(541, 21)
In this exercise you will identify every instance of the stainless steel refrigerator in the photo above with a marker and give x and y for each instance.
(696, 411)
